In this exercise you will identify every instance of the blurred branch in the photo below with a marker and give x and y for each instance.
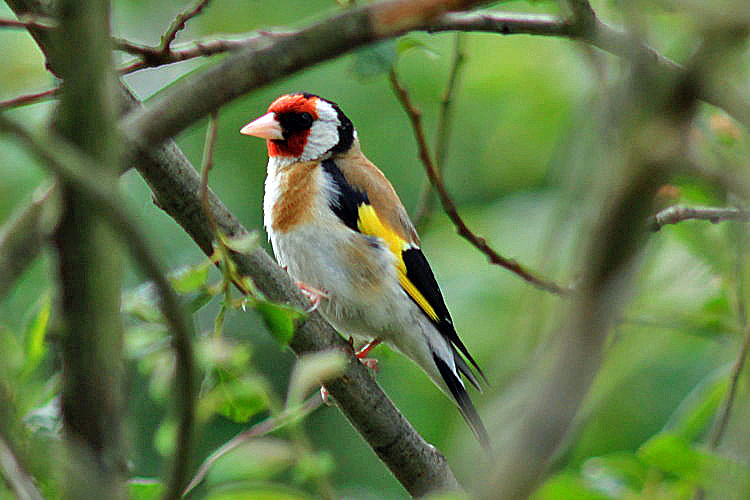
(89, 261)
(207, 165)
(598, 34)
(68, 163)
(28, 98)
(450, 208)
(22, 237)
(179, 24)
(722, 419)
(425, 203)
(654, 137)
(18, 480)
(679, 213)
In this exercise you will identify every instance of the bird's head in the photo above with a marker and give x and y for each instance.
(303, 127)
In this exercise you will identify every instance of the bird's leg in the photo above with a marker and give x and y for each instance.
(367, 348)
(370, 363)
(313, 294)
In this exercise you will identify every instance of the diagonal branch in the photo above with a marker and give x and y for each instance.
(426, 195)
(179, 24)
(450, 208)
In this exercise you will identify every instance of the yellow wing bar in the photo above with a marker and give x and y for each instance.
(370, 224)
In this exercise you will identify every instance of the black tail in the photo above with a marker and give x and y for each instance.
(469, 412)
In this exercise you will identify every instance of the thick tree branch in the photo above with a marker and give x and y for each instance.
(89, 262)
(182, 104)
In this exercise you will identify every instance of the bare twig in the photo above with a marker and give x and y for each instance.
(179, 24)
(679, 213)
(65, 161)
(723, 418)
(23, 100)
(206, 166)
(424, 205)
(18, 480)
(260, 429)
(29, 22)
(151, 57)
(584, 16)
(450, 208)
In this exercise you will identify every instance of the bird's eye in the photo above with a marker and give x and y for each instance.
(295, 122)
(305, 119)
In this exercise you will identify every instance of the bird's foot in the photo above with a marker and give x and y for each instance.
(370, 363)
(313, 295)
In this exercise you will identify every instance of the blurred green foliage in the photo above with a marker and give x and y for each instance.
(522, 163)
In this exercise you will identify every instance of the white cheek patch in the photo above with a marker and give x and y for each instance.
(324, 133)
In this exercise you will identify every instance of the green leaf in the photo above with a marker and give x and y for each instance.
(280, 319)
(244, 243)
(35, 345)
(312, 370)
(672, 454)
(314, 465)
(191, 279)
(165, 437)
(407, 43)
(142, 304)
(566, 486)
(144, 489)
(238, 400)
(615, 472)
(374, 60)
(256, 491)
(256, 459)
(696, 412)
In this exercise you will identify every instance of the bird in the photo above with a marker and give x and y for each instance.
(338, 227)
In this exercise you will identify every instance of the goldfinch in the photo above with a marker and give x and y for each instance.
(338, 227)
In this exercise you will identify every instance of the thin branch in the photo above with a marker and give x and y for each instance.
(424, 206)
(678, 213)
(26, 99)
(179, 24)
(18, 480)
(717, 431)
(258, 430)
(206, 166)
(449, 206)
(152, 57)
(584, 16)
(66, 162)
(29, 22)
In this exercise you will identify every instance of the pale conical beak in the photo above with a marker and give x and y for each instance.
(265, 127)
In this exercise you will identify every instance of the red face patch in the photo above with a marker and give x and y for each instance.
(295, 143)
